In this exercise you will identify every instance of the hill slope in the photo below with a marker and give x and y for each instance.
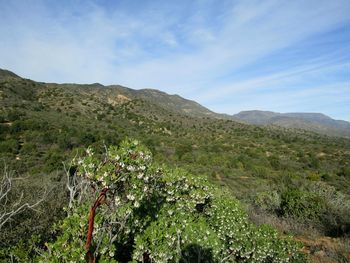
(285, 176)
(115, 94)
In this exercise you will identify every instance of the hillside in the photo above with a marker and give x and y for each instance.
(316, 122)
(296, 180)
(115, 94)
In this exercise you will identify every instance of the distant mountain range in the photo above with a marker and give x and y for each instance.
(116, 94)
(316, 122)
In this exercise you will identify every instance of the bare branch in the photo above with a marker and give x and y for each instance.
(6, 184)
(7, 210)
(76, 186)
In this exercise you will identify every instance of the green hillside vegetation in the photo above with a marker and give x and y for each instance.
(294, 180)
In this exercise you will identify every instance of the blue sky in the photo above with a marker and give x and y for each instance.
(286, 56)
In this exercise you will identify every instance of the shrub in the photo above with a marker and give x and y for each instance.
(336, 212)
(9, 146)
(29, 148)
(269, 200)
(153, 214)
(260, 171)
(301, 204)
(15, 115)
(344, 171)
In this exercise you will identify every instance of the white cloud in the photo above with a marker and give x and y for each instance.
(195, 50)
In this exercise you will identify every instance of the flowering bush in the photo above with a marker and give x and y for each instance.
(154, 214)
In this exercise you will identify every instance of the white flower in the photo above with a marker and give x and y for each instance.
(136, 204)
(130, 197)
(117, 200)
(143, 167)
(111, 254)
(130, 168)
(139, 176)
(89, 151)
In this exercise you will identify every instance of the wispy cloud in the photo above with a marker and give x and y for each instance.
(219, 53)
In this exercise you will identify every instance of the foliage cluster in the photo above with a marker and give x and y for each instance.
(161, 215)
(315, 203)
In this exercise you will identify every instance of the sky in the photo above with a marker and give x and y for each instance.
(284, 56)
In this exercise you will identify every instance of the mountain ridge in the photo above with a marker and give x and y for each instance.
(115, 94)
(317, 122)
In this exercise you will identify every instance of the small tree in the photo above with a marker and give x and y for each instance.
(151, 214)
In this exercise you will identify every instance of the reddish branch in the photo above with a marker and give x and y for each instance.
(100, 200)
